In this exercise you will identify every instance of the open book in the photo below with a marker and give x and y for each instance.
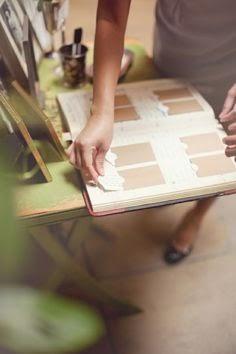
(167, 146)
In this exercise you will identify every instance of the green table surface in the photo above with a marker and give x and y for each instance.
(61, 199)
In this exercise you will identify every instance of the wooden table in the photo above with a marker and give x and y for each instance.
(41, 205)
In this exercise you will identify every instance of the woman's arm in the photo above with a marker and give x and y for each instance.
(89, 149)
(109, 46)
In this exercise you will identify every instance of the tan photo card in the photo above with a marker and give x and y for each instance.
(133, 154)
(213, 165)
(122, 100)
(185, 106)
(142, 177)
(172, 94)
(201, 143)
(125, 114)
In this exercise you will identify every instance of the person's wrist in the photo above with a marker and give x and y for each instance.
(102, 111)
(102, 115)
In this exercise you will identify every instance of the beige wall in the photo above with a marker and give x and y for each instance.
(140, 25)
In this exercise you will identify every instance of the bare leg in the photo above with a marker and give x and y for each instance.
(187, 231)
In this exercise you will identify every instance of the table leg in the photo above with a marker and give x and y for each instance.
(73, 271)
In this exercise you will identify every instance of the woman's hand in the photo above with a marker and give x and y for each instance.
(88, 151)
(228, 116)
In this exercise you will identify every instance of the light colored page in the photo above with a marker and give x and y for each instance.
(165, 164)
(138, 107)
(168, 145)
(75, 108)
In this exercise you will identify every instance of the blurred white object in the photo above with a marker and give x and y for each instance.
(63, 13)
(37, 20)
(111, 181)
(126, 63)
(55, 13)
(111, 157)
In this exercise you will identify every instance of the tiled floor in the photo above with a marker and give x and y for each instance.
(187, 309)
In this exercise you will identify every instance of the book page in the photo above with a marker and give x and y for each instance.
(162, 165)
(168, 146)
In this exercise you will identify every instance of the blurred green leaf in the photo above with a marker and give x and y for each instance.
(32, 322)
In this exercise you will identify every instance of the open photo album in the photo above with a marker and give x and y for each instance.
(167, 147)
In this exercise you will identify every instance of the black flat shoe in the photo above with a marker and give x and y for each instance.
(173, 256)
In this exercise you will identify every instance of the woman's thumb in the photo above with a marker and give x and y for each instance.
(99, 161)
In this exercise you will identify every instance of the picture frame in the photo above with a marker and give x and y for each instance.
(18, 122)
(30, 58)
(38, 52)
(55, 13)
(10, 143)
(44, 39)
(39, 124)
(22, 52)
(11, 47)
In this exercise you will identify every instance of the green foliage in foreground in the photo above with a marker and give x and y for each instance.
(35, 322)
(32, 321)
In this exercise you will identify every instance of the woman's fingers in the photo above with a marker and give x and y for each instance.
(72, 158)
(229, 117)
(84, 158)
(78, 163)
(71, 154)
(230, 151)
(87, 158)
(232, 127)
(229, 103)
(230, 140)
(69, 150)
(99, 161)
